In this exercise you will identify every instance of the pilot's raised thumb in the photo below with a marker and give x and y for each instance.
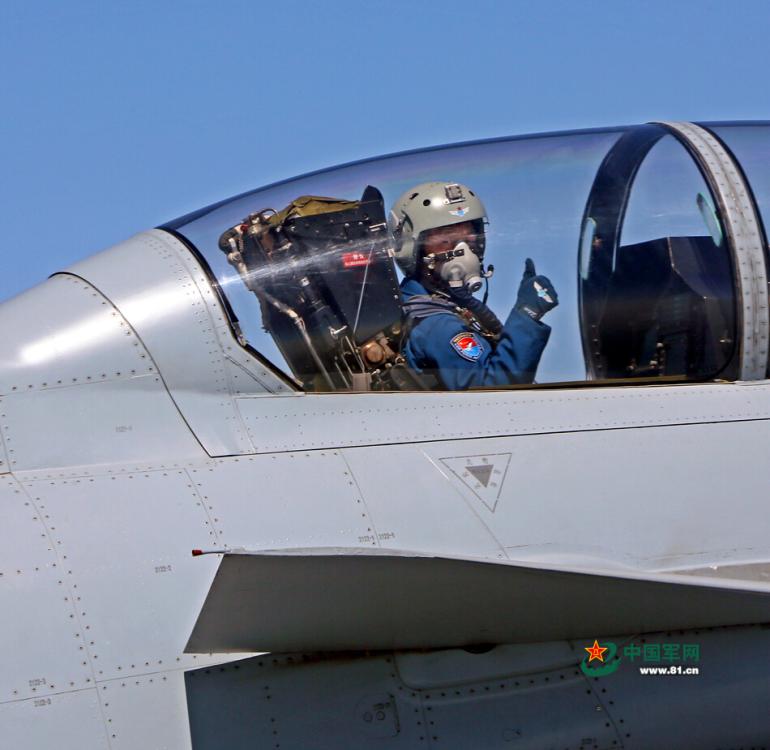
(529, 269)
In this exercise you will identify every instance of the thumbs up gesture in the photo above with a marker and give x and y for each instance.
(536, 293)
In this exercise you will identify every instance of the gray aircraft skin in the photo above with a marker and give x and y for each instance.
(425, 568)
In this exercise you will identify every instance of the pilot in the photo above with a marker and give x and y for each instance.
(451, 338)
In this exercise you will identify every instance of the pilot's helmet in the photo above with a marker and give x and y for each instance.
(429, 206)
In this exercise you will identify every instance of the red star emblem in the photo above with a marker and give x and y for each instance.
(596, 651)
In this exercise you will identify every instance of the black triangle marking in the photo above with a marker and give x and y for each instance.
(482, 473)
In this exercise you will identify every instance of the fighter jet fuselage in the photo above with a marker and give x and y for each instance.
(254, 497)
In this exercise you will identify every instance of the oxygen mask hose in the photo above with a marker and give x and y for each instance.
(485, 316)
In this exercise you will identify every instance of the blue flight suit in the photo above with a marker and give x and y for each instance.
(442, 343)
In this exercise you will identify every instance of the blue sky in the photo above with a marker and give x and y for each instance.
(118, 117)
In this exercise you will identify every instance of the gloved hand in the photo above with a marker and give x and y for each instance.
(536, 293)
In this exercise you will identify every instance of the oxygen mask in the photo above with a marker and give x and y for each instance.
(461, 268)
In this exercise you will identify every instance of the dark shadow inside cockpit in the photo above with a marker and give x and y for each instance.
(662, 307)
(668, 310)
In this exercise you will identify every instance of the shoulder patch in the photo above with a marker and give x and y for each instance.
(467, 345)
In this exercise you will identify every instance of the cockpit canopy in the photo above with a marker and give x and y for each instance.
(635, 228)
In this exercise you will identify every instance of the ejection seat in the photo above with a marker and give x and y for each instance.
(328, 291)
